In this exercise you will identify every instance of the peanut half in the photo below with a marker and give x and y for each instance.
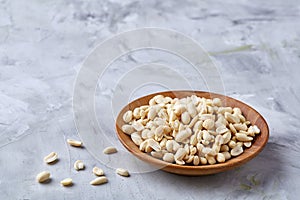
(78, 165)
(97, 171)
(99, 181)
(43, 176)
(51, 158)
(74, 143)
(66, 182)
(122, 172)
(110, 150)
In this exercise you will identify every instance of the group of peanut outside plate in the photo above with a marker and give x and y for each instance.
(52, 158)
(189, 131)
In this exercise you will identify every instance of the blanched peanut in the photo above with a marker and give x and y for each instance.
(242, 118)
(220, 157)
(127, 117)
(153, 144)
(204, 117)
(193, 150)
(138, 126)
(179, 162)
(208, 124)
(217, 102)
(226, 137)
(231, 118)
(159, 99)
(143, 145)
(179, 109)
(247, 144)
(180, 154)
(243, 137)
(110, 150)
(221, 129)
(51, 158)
(185, 118)
(169, 157)
(236, 150)
(224, 148)
(233, 130)
(157, 154)
(43, 176)
(211, 160)
(222, 110)
(66, 182)
(74, 143)
(216, 148)
(227, 155)
(197, 126)
(196, 160)
(163, 143)
(206, 150)
(152, 113)
(122, 172)
(193, 140)
(232, 144)
(193, 122)
(192, 110)
(189, 158)
(239, 127)
(136, 113)
(203, 160)
(206, 136)
(240, 144)
(219, 140)
(99, 181)
(128, 129)
(97, 171)
(78, 165)
(182, 135)
(136, 138)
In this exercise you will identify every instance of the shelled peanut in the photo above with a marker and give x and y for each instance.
(192, 130)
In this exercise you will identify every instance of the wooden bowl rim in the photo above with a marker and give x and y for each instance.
(247, 155)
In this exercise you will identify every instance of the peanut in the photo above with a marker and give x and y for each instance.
(78, 165)
(66, 182)
(43, 176)
(99, 181)
(74, 143)
(97, 171)
(51, 158)
(122, 172)
(110, 150)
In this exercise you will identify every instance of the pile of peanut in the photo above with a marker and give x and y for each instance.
(192, 130)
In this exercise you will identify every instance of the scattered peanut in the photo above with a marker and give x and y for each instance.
(43, 176)
(97, 171)
(192, 130)
(110, 150)
(122, 172)
(99, 181)
(66, 182)
(74, 143)
(51, 158)
(78, 165)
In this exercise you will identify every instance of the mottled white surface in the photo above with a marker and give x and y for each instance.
(255, 44)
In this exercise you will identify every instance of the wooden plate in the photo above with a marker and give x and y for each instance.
(252, 115)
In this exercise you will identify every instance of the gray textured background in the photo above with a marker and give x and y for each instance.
(255, 44)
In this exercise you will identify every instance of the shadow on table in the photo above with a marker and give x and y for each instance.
(256, 177)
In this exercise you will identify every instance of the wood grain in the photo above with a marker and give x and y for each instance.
(251, 114)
